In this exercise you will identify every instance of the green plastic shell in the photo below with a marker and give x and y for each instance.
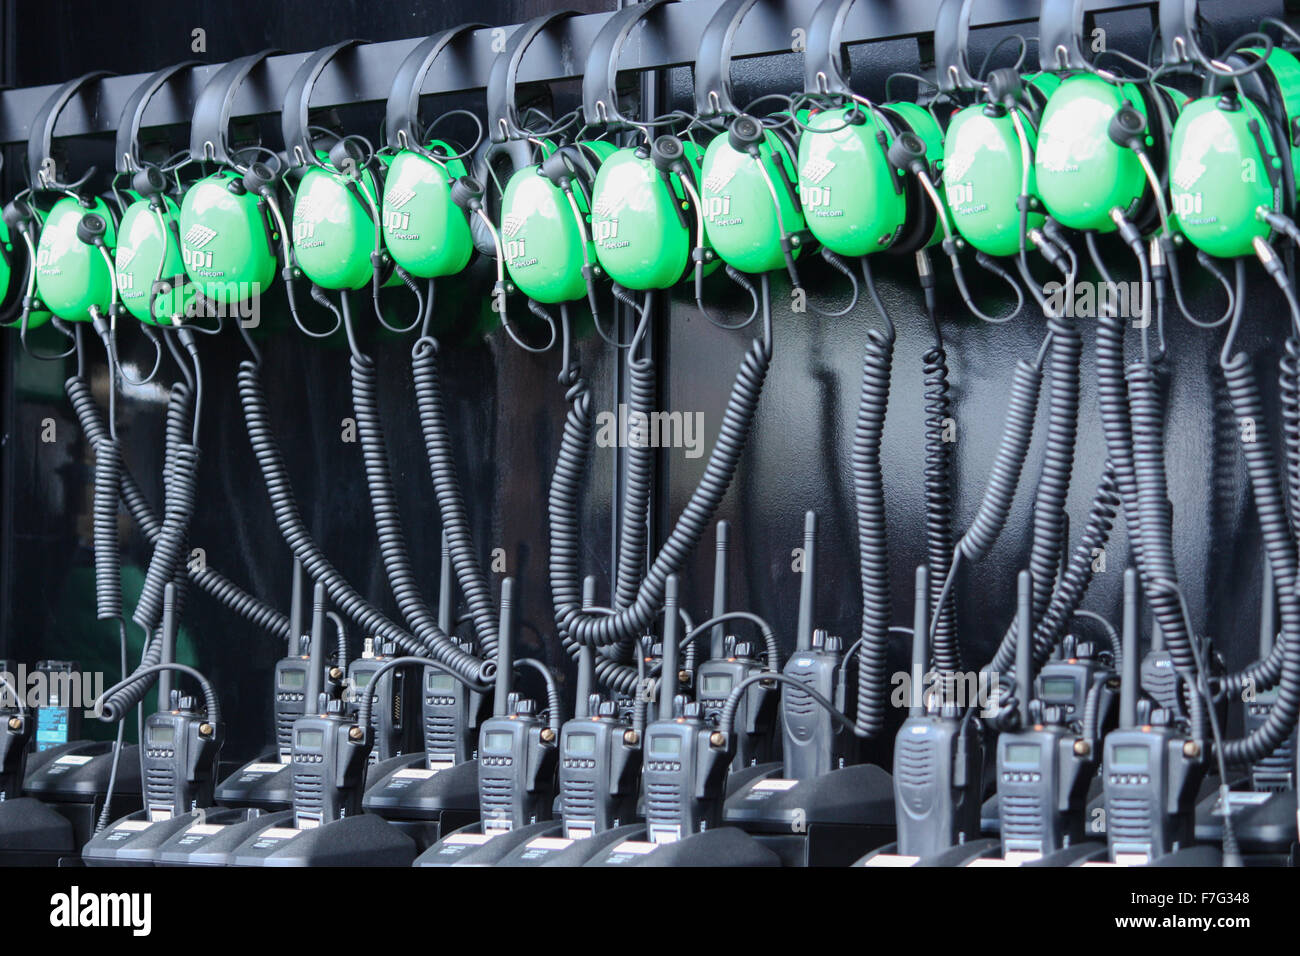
(644, 232)
(333, 228)
(984, 170)
(426, 233)
(1082, 174)
(142, 244)
(852, 201)
(543, 246)
(927, 127)
(72, 276)
(740, 217)
(229, 250)
(17, 248)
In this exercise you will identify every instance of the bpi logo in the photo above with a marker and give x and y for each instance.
(959, 194)
(814, 196)
(196, 238)
(125, 255)
(603, 229)
(1187, 172)
(1187, 204)
(715, 206)
(603, 209)
(514, 249)
(397, 221)
(511, 225)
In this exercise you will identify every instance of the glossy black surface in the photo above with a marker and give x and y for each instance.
(508, 410)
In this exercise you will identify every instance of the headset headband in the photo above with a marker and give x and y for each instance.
(128, 127)
(951, 39)
(211, 122)
(503, 115)
(600, 79)
(713, 59)
(402, 114)
(1178, 29)
(43, 123)
(1060, 28)
(826, 67)
(294, 120)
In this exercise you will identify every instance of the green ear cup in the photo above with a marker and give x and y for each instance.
(18, 254)
(1082, 173)
(1219, 176)
(984, 171)
(333, 227)
(72, 276)
(644, 229)
(227, 244)
(740, 218)
(8, 279)
(924, 125)
(1224, 164)
(852, 199)
(543, 246)
(426, 233)
(142, 243)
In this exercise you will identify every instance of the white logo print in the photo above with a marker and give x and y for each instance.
(125, 254)
(511, 225)
(603, 209)
(1187, 172)
(199, 236)
(399, 198)
(815, 170)
(716, 182)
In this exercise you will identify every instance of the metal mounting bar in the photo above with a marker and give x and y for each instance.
(366, 73)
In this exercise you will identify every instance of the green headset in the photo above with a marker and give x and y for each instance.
(753, 216)
(336, 225)
(647, 221)
(1238, 141)
(74, 267)
(871, 174)
(425, 231)
(542, 237)
(231, 225)
(1102, 137)
(147, 261)
(988, 166)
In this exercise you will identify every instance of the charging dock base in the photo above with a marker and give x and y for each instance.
(555, 849)
(725, 846)
(425, 804)
(264, 783)
(363, 840)
(471, 846)
(830, 820)
(33, 834)
(1264, 822)
(223, 830)
(73, 779)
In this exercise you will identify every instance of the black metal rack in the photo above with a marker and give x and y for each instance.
(671, 41)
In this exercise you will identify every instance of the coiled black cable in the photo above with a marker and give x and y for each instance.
(271, 462)
(565, 493)
(873, 546)
(108, 560)
(470, 575)
(253, 609)
(179, 429)
(180, 495)
(1289, 391)
(1155, 524)
(938, 488)
(639, 459)
(1279, 544)
(388, 522)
